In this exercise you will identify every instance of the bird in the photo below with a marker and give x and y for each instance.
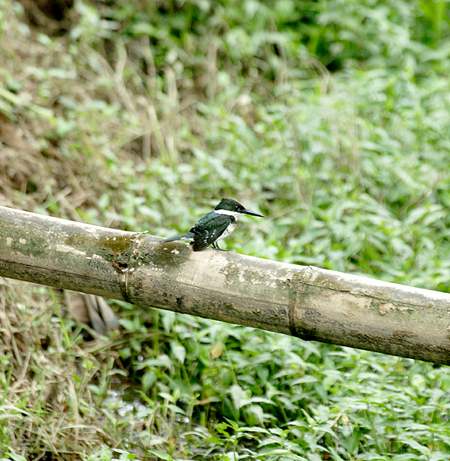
(215, 225)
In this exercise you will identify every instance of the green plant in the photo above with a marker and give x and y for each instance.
(330, 117)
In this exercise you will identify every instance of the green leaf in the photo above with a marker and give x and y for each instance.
(161, 455)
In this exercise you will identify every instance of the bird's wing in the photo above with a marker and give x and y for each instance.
(215, 227)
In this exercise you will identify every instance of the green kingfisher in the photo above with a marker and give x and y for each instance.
(215, 226)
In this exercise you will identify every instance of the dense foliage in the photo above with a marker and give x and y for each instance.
(331, 117)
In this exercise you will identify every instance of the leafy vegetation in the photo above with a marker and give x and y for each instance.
(331, 117)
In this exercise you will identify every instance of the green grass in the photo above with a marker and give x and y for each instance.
(331, 118)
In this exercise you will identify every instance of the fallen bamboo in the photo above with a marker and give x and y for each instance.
(308, 302)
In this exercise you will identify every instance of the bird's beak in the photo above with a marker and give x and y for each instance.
(252, 213)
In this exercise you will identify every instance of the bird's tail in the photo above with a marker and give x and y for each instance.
(186, 236)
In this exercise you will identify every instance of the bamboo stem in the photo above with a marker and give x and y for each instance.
(308, 302)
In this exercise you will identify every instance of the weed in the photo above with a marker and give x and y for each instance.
(330, 117)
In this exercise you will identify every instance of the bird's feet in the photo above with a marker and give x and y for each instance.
(216, 247)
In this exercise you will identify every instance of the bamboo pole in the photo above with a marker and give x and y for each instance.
(308, 302)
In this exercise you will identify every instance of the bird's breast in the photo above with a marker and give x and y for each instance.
(228, 230)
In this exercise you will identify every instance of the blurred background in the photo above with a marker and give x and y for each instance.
(330, 117)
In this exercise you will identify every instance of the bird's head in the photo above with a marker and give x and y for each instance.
(228, 204)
